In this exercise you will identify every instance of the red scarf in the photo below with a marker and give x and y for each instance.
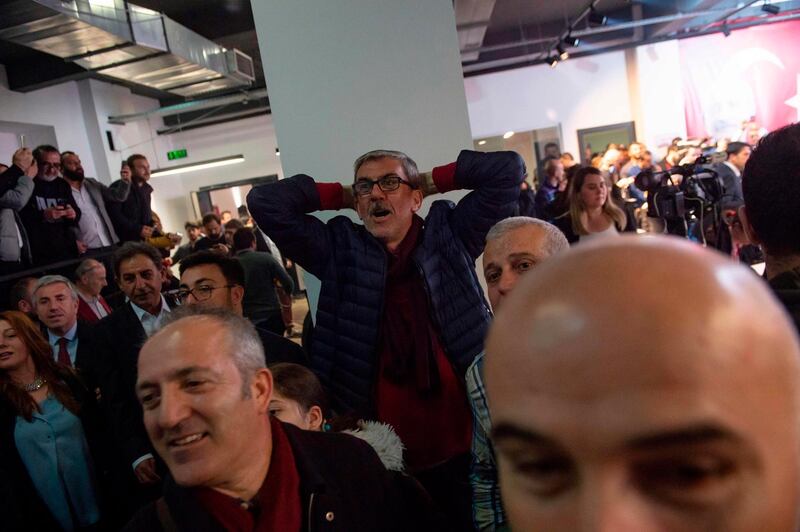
(275, 508)
(407, 335)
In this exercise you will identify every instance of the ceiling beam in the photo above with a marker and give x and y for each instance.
(691, 8)
(472, 20)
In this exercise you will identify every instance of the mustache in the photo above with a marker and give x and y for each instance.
(75, 175)
(378, 206)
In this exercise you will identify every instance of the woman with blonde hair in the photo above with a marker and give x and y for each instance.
(591, 212)
(48, 430)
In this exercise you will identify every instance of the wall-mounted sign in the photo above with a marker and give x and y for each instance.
(176, 154)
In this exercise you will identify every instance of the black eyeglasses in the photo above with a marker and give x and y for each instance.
(200, 293)
(387, 183)
(55, 166)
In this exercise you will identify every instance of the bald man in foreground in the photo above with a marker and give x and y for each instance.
(678, 412)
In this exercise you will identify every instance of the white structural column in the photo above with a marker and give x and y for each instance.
(348, 76)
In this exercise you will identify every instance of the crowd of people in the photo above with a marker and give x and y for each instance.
(625, 383)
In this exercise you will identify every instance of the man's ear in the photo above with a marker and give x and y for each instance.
(748, 228)
(418, 197)
(261, 389)
(237, 294)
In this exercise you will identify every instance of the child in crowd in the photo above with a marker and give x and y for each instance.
(298, 399)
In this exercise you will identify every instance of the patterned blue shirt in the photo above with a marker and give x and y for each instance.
(487, 508)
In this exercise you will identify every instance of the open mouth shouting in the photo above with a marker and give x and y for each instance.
(379, 212)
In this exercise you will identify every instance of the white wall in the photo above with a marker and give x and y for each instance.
(133, 137)
(57, 106)
(580, 93)
(252, 137)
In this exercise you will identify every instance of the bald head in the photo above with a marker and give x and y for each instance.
(655, 387)
(90, 277)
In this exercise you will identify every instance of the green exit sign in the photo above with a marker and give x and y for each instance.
(176, 154)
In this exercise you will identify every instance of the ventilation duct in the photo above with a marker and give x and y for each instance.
(126, 42)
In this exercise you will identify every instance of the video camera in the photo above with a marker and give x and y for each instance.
(691, 198)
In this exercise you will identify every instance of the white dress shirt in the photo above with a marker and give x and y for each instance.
(151, 324)
(92, 229)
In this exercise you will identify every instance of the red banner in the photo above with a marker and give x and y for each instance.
(751, 74)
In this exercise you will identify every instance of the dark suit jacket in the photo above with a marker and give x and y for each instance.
(117, 340)
(130, 215)
(86, 359)
(732, 197)
(279, 349)
(343, 487)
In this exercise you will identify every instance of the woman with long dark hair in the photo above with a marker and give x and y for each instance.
(47, 421)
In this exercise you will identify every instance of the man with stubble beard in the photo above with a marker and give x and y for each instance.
(95, 229)
(133, 218)
(51, 216)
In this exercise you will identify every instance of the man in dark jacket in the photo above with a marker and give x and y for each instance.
(263, 275)
(205, 390)
(117, 340)
(215, 235)
(401, 314)
(51, 216)
(730, 171)
(771, 212)
(133, 218)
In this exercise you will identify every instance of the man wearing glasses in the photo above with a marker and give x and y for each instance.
(51, 215)
(401, 314)
(213, 281)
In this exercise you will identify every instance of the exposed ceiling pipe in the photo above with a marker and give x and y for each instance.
(729, 14)
(195, 105)
(600, 29)
(208, 119)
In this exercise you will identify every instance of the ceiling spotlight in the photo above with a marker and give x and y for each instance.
(596, 19)
(552, 61)
(508, 134)
(569, 40)
(277, 152)
(481, 142)
(562, 54)
(772, 9)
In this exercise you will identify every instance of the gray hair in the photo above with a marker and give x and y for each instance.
(555, 241)
(247, 352)
(408, 164)
(47, 280)
(85, 267)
